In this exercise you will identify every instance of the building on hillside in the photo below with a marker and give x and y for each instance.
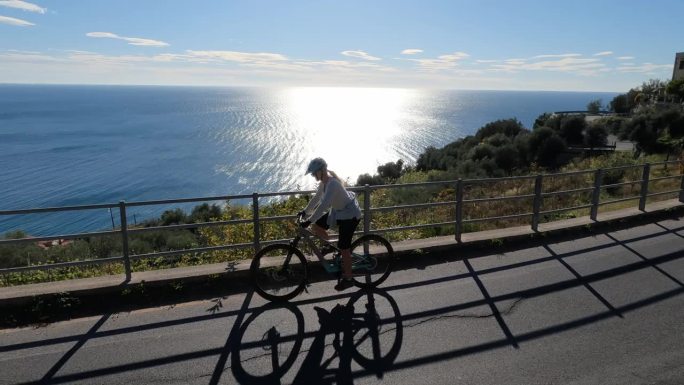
(678, 70)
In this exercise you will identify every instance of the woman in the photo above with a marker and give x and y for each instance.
(344, 213)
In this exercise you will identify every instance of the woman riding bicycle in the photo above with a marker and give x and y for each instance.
(344, 213)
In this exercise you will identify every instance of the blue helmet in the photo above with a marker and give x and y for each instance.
(316, 164)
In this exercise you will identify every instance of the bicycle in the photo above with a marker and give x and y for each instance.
(279, 271)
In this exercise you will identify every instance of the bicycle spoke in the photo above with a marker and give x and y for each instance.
(372, 260)
(279, 272)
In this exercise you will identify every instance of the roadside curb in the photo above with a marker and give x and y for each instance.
(42, 303)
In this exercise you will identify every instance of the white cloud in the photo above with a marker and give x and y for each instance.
(360, 55)
(26, 57)
(564, 64)
(454, 56)
(644, 68)
(441, 63)
(102, 34)
(486, 61)
(626, 58)
(131, 40)
(604, 53)
(26, 6)
(515, 61)
(346, 66)
(240, 57)
(13, 21)
(557, 56)
(411, 51)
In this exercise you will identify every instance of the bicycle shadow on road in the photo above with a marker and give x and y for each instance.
(367, 331)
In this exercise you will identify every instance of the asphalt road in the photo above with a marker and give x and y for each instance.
(603, 309)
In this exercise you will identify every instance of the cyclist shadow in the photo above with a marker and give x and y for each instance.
(367, 330)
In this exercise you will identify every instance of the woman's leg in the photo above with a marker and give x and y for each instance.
(320, 231)
(347, 228)
(346, 263)
(320, 228)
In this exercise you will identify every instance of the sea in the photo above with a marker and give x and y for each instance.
(63, 145)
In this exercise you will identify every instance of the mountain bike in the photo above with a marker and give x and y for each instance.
(279, 271)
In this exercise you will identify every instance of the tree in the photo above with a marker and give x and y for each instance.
(368, 179)
(545, 147)
(508, 127)
(390, 170)
(507, 158)
(653, 89)
(624, 103)
(572, 128)
(430, 159)
(596, 136)
(498, 140)
(548, 154)
(672, 137)
(482, 151)
(644, 134)
(536, 139)
(205, 213)
(541, 120)
(594, 106)
(676, 88)
(173, 217)
(619, 104)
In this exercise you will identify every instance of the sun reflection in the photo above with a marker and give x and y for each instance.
(353, 128)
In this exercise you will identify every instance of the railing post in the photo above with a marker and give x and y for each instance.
(366, 209)
(124, 239)
(644, 186)
(537, 202)
(459, 209)
(255, 220)
(366, 215)
(596, 194)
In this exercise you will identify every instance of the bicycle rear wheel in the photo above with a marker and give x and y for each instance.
(279, 272)
(372, 260)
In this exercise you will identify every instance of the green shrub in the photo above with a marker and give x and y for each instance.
(596, 136)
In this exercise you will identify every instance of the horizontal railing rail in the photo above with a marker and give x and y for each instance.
(98, 261)
(461, 207)
(498, 198)
(58, 209)
(412, 206)
(631, 182)
(564, 209)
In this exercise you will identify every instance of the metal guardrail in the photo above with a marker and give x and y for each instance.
(537, 202)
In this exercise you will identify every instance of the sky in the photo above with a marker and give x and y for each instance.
(578, 45)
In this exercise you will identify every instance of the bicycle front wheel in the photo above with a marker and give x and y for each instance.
(372, 260)
(279, 272)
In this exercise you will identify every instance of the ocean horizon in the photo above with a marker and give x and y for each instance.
(66, 145)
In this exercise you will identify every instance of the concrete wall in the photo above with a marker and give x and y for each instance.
(678, 70)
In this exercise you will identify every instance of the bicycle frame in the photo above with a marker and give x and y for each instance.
(359, 261)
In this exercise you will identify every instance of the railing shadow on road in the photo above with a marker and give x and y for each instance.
(242, 338)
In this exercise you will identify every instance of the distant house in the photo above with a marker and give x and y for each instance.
(678, 70)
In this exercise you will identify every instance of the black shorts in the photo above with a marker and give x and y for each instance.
(346, 228)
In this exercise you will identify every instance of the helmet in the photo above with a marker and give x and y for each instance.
(316, 164)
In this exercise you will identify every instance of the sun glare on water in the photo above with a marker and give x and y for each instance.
(354, 129)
